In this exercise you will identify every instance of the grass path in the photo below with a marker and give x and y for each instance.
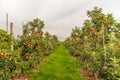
(58, 66)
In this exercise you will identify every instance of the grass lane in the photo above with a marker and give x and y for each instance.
(58, 66)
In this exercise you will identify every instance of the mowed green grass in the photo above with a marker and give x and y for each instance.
(58, 66)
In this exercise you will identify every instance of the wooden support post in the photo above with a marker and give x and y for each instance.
(11, 32)
(7, 22)
(11, 28)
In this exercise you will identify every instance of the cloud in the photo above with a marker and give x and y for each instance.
(59, 16)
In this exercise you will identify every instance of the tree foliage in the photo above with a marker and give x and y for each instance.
(5, 40)
(96, 44)
(29, 49)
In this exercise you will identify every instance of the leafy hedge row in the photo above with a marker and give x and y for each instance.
(29, 49)
(97, 44)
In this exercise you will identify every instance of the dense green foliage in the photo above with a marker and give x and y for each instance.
(58, 66)
(5, 40)
(97, 44)
(5, 48)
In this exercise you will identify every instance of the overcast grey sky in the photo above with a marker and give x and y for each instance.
(59, 16)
